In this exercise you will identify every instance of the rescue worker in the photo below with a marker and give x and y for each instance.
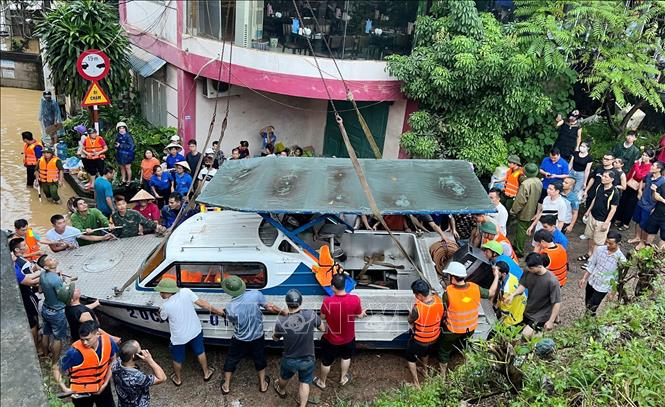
(32, 151)
(525, 205)
(32, 240)
(490, 232)
(461, 301)
(88, 364)
(483, 277)
(555, 253)
(93, 156)
(514, 177)
(130, 223)
(50, 173)
(425, 322)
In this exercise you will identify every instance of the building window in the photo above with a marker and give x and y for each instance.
(210, 275)
(212, 19)
(152, 92)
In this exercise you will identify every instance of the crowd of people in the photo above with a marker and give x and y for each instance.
(537, 208)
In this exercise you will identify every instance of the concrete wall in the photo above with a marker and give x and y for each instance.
(394, 129)
(171, 96)
(20, 372)
(21, 70)
(249, 112)
(155, 17)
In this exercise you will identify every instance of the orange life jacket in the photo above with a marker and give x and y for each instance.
(32, 244)
(89, 376)
(512, 183)
(427, 327)
(558, 262)
(48, 171)
(186, 276)
(501, 238)
(462, 311)
(326, 267)
(29, 156)
(91, 146)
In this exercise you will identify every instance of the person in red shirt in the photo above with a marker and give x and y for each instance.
(339, 340)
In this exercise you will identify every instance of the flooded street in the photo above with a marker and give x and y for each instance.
(18, 112)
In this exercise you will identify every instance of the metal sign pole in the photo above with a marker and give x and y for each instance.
(95, 117)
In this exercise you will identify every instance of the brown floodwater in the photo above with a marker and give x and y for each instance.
(19, 109)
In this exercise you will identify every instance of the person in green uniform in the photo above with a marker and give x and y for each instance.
(86, 219)
(525, 206)
(130, 223)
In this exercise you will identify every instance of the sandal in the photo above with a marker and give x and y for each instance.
(348, 378)
(174, 382)
(267, 382)
(282, 395)
(212, 372)
(583, 257)
(224, 392)
(317, 383)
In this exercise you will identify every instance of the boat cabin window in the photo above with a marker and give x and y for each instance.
(267, 233)
(209, 275)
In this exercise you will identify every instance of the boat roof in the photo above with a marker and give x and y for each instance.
(330, 185)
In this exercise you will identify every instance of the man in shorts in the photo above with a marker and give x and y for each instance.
(297, 331)
(184, 325)
(656, 220)
(600, 213)
(53, 308)
(339, 340)
(544, 301)
(646, 203)
(92, 155)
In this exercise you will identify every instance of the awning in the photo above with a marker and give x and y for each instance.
(143, 62)
(330, 185)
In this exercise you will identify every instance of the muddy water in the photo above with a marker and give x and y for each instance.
(19, 109)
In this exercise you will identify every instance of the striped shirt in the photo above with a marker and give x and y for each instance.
(602, 268)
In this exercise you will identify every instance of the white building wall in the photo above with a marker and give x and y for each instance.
(154, 17)
(249, 112)
(172, 96)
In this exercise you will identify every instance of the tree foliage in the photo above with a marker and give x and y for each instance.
(476, 86)
(615, 49)
(73, 27)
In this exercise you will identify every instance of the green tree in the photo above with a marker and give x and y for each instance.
(476, 87)
(73, 27)
(613, 48)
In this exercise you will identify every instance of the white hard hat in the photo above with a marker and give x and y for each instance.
(120, 124)
(456, 269)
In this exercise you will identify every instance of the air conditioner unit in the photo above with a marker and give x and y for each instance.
(218, 89)
(249, 22)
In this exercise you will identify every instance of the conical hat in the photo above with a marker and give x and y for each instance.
(184, 164)
(142, 195)
(176, 145)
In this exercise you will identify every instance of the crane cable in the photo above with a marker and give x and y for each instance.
(192, 201)
(352, 153)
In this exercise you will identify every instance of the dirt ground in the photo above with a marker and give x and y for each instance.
(374, 372)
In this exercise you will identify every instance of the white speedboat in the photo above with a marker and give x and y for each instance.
(273, 254)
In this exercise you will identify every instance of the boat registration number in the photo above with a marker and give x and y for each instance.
(154, 316)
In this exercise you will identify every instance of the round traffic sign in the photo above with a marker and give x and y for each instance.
(93, 64)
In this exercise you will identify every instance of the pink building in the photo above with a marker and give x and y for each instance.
(190, 55)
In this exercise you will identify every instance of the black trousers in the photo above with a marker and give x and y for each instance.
(30, 174)
(626, 206)
(592, 299)
(241, 349)
(104, 399)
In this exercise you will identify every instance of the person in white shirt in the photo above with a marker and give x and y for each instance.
(185, 326)
(501, 217)
(553, 205)
(207, 171)
(601, 271)
(61, 236)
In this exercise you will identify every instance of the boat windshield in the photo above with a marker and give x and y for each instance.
(155, 259)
